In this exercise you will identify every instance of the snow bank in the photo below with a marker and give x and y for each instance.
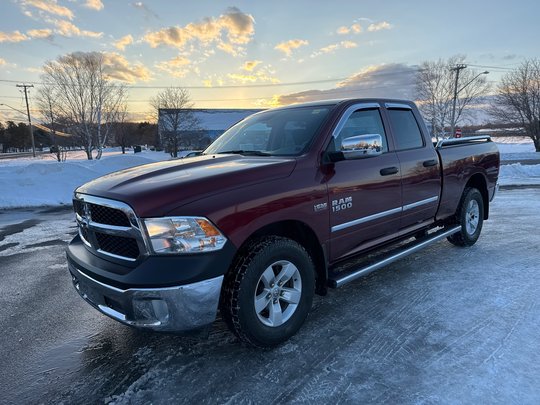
(518, 174)
(31, 183)
(516, 148)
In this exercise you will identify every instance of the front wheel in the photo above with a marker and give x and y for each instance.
(268, 294)
(470, 215)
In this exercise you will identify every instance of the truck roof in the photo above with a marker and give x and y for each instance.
(333, 102)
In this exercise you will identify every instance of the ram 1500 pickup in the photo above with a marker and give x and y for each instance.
(272, 212)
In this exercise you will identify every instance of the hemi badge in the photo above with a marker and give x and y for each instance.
(320, 207)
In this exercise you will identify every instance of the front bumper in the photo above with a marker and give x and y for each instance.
(168, 309)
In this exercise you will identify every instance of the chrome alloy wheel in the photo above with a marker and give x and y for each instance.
(278, 293)
(472, 217)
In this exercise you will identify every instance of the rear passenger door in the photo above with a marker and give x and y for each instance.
(364, 194)
(420, 171)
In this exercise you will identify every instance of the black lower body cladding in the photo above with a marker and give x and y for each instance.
(153, 271)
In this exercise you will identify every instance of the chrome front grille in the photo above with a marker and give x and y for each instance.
(108, 216)
(118, 245)
(108, 227)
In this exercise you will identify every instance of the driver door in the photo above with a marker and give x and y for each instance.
(365, 193)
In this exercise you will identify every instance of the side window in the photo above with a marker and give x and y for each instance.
(405, 128)
(362, 122)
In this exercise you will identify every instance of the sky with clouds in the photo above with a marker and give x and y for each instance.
(262, 53)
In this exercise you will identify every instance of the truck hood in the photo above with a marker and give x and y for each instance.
(156, 189)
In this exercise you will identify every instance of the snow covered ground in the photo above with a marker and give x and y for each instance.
(519, 175)
(446, 325)
(516, 148)
(29, 182)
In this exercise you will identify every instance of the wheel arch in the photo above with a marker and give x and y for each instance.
(301, 233)
(478, 181)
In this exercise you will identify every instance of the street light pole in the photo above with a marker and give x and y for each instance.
(25, 86)
(458, 68)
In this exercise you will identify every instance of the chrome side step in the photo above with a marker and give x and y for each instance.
(347, 276)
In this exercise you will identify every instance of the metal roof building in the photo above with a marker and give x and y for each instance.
(212, 122)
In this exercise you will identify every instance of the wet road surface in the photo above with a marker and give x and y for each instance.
(443, 325)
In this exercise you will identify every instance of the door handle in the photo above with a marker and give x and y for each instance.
(429, 163)
(389, 170)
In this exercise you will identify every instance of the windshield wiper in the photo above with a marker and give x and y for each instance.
(245, 152)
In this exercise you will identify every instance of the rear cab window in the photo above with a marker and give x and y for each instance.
(407, 134)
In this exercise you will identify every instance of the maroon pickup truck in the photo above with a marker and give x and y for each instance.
(285, 204)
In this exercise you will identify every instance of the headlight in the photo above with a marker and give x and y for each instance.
(173, 235)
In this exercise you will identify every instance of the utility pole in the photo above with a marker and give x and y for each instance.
(25, 87)
(458, 69)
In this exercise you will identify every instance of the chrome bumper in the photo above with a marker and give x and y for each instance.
(171, 309)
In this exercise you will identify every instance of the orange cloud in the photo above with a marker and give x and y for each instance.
(385, 81)
(118, 67)
(69, 29)
(334, 47)
(249, 65)
(41, 33)
(94, 4)
(353, 29)
(176, 67)
(50, 7)
(288, 46)
(383, 25)
(229, 31)
(15, 36)
(123, 42)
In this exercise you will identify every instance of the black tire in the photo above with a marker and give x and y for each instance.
(242, 286)
(467, 216)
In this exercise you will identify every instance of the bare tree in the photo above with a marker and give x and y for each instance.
(176, 120)
(435, 86)
(86, 96)
(517, 100)
(122, 132)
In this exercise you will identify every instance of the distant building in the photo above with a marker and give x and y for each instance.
(211, 122)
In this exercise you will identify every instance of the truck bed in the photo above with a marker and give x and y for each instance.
(461, 159)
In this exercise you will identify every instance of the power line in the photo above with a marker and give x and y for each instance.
(241, 86)
(491, 67)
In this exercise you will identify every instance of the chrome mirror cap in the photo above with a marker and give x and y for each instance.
(361, 146)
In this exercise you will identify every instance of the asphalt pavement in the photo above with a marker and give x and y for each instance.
(445, 325)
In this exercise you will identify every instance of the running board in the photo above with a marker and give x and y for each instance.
(341, 279)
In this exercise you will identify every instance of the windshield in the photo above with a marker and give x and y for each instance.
(287, 132)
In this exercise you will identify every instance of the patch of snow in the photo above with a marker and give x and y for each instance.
(36, 237)
(518, 174)
(57, 266)
(33, 183)
(516, 148)
(512, 140)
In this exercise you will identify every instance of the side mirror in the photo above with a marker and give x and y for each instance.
(362, 146)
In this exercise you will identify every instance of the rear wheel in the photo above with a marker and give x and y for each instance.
(268, 295)
(470, 215)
